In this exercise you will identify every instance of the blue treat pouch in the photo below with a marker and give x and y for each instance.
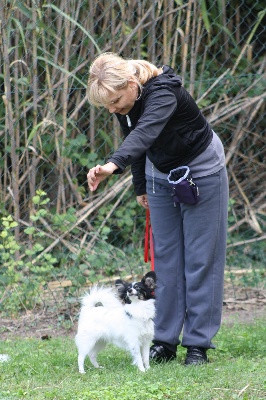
(184, 189)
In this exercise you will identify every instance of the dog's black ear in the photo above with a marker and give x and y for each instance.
(122, 287)
(120, 282)
(149, 279)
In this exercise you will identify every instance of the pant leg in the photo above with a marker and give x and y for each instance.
(189, 250)
(205, 232)
(167, 230)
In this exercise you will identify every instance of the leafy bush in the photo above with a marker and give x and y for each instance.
(29, 264)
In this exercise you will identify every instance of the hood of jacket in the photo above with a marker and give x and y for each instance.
(167, 78)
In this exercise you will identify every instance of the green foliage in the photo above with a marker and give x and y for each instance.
(249, 256)
(28, 266)
(77, 150)
(250, 259)
(24, 268)
(126, 224)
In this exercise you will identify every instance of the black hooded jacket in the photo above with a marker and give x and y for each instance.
(166, 125)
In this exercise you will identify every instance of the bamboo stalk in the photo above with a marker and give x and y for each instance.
(178, 32)
(56, 44)
(224, 24)
(34, 162)
(16, 139)
(62, 163)
(200, 30)
(186, 40)
(152, 36)
(171, 16)
(10, 131)
(193, 54)
(165, 35)
(139, 30)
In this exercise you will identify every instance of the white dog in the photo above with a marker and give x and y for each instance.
(104, 319)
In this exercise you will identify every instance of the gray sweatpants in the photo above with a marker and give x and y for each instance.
(189, 252)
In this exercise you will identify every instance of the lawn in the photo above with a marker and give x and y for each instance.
(47, 369)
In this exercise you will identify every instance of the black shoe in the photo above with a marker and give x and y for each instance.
(159, 353)
(196, 356)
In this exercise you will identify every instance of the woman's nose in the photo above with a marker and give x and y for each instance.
(111, 108)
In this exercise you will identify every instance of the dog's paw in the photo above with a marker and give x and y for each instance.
(81, 371)
(96, 365)
(140, 367)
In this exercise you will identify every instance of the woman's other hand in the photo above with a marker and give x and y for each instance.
(143, 201)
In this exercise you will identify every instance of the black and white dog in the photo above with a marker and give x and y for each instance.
(145, 288)
(104, 319)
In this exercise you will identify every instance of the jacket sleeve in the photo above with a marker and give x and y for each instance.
(138, 173)
(137, 167)
(159, 106)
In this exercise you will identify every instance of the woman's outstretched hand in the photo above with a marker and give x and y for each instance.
(99, 173)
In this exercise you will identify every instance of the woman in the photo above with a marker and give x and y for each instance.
(164, 129)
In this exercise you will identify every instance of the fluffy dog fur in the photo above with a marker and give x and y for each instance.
(104, 319)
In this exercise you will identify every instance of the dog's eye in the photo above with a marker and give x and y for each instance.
(136, 286)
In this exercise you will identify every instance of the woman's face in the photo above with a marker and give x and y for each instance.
(122, 100)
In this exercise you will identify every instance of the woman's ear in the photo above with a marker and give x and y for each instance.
(132, 84)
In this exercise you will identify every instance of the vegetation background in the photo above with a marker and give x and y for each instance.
(56, 238)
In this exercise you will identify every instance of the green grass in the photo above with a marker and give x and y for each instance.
(48, 370)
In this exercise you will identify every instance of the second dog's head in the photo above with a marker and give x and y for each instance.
(143, 290)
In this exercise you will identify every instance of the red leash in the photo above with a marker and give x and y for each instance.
(148, 245)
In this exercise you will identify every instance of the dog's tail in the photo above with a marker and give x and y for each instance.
(101, 297)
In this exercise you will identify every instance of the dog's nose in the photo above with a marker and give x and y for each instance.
(129, 290)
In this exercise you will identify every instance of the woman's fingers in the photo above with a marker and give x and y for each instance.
(143, 201)
(99, 173)
(93, 180)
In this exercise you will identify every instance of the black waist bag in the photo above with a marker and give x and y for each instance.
(184, 189)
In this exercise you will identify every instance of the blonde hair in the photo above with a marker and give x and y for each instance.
(109, 72)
